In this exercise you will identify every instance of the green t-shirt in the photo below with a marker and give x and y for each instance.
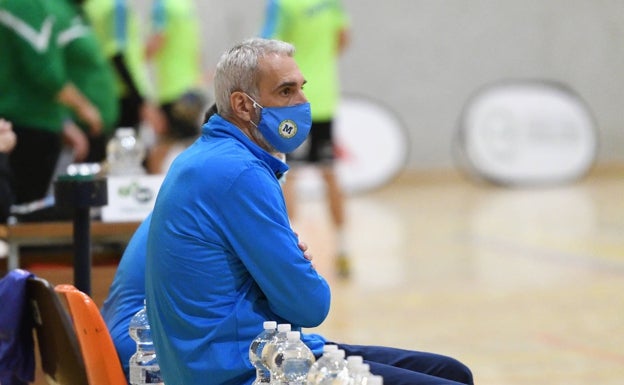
(313, 27)
(177, 63)
(86, 65)
(31, 66)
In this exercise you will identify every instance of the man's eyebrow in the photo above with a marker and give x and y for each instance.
(289, 84)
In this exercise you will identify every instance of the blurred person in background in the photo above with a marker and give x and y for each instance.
(36, 90)
(117, 28)
(319, 30)
(89, 70)
(173, 48)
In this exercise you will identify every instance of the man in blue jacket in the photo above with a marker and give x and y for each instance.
(221, 257)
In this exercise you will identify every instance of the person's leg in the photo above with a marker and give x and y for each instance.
(32, 162)
(393, 375)
(402, 367)
(298, 158)
(129, 112)
(322, 155)
(6, 194)
(97, 148)
(288, 187)
(335, 199)
(334, 196)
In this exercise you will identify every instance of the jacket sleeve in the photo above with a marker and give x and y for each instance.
(260, 234)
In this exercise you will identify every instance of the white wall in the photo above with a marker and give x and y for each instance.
(424, 58)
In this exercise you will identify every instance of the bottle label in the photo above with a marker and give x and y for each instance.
(145, 375)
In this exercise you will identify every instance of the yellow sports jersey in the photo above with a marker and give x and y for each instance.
(313, 27)
(177, 62)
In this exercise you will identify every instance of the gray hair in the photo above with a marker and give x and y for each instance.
(238, 70)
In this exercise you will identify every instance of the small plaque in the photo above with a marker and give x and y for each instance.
(131, 197)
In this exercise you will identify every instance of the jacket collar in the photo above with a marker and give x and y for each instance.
(219, 127)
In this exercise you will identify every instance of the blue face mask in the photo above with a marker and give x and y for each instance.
(285, 128)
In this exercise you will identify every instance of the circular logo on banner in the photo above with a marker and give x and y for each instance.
(287, 129)
(365, 160)
(518, 132)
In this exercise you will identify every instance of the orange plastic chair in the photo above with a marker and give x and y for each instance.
(98, 351)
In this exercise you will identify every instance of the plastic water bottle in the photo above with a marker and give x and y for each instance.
(125, 153)
(330, 369)
(360, 374)
(144, 368)
(293, 360)
(375, 380)
(271, 347)
(263, 374)
(353, 364)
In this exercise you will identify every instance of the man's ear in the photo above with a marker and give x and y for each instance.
(241, 106)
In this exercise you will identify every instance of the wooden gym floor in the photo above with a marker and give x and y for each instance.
(525, 286)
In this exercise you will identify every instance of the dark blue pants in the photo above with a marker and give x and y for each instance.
(406, 367)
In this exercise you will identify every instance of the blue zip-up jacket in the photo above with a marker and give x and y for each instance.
(222, 259)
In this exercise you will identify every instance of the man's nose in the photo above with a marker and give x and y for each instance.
(301, 98)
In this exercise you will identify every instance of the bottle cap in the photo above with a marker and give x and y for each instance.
(269, 325)
(124, 131)
(353, 361)
(293, 336)
(330, 347)
(283, 327)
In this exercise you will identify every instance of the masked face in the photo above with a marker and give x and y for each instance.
(284, 128)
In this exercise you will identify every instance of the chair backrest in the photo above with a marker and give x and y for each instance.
(98, 351)
(61, 358)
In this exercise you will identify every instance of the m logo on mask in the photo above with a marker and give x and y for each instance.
(293, 125)
(287, 129)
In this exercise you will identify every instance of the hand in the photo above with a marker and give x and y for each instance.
(70, 96)
(76, 139)
(91, 116)
(7, 136)
(306, 254)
